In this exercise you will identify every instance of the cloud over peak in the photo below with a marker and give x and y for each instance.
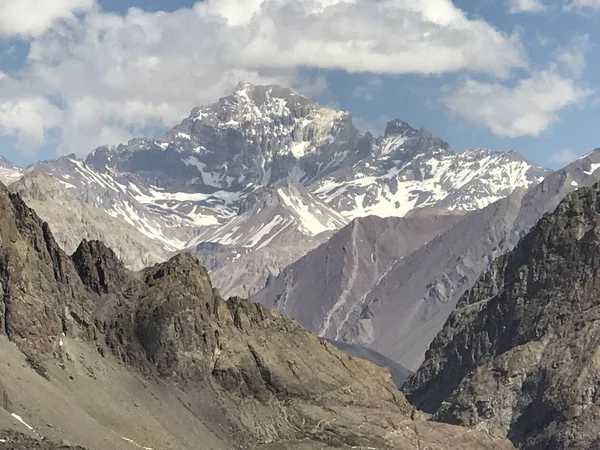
(124, 73)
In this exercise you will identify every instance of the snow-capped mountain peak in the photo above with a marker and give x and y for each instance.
(266, 166)
(411, 168)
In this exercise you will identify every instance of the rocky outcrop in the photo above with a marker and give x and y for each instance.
(96, 334)
(520, 357)
(41, 291)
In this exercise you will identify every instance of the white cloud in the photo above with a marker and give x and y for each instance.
(33, 17)
(585, 4)
(526, 6)
(572, 58)
(127, 73)
(526, 108)
(529, 106)
(563, 157)
(28, 119)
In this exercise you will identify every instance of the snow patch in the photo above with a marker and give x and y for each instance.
(264, 231)
(131, 441)
(593, 168)
(20, 419)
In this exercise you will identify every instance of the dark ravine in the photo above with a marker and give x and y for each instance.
(108, 358)
(520, 355)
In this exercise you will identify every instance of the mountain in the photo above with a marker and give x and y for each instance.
(9, 173)
(519, 357)
(275, 226)
(202, 174)
(101, 356)
(403, 310)
(154, 212)
(409, 169)
(321, 289)
(73, 221)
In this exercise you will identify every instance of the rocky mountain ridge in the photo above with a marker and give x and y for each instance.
(519, 355)
(199, 176)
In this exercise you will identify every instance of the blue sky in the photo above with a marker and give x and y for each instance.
(501, 74)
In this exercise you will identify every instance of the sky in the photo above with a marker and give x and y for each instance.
(501, 74)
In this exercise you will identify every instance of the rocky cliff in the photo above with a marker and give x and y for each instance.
(520, 355)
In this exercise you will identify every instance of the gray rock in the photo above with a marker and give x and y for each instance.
(519, 355)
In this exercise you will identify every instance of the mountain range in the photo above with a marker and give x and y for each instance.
(467, 278)
(106, 357)
(212, 181)
(253, 183)
(348, 290)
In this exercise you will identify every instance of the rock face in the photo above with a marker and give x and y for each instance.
(201, 370)
(73, 221)
(41, 291)
(520, 355)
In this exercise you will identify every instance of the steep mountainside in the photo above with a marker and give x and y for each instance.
(401, 314)
(95, 354)
(321, 289)
(409, 169)
(201, 175)
(520, 355)
(72, 221)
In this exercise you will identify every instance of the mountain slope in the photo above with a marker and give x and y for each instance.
(276, 225)
(106, 357)
(322, 289)
(73, 221)
(519, 356)
(168, 218)
(403, 311)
